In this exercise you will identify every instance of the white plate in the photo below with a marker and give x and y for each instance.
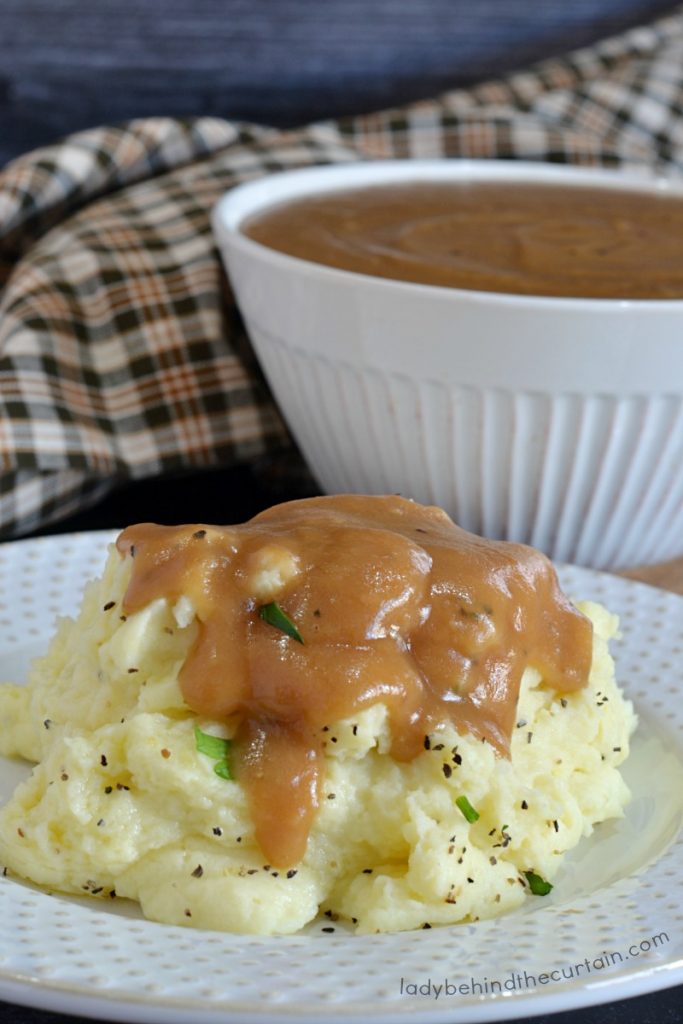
(620, 895)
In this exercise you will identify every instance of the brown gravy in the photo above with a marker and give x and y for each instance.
(550, 240)
(393, 603)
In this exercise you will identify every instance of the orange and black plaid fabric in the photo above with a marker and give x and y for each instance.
(121, 352)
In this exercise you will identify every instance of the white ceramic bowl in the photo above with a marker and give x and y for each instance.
(555, 422)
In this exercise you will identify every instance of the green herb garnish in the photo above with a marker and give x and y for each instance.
(215, 747)
(538, 885)
(467, 809)
(273, 614)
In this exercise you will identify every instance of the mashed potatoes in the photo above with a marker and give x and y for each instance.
(121, 802)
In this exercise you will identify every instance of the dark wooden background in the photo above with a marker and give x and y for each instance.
(70, 64)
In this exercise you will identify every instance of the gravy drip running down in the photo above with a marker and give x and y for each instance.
(394, 604)
(532, 239)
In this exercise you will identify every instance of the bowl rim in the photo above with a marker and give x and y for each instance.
(256, 195)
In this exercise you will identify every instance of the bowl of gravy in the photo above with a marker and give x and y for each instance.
(502, 339)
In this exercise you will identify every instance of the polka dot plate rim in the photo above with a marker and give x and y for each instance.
(613, 928)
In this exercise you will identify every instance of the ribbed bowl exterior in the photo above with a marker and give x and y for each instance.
(593, 480)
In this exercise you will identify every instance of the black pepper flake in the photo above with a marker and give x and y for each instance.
(108, 789)
(471, 881)
(521, 723)
(563, 701)
(100, 823)
(198, 871)
(120, 786)
(354, 920)
(426, 925)
(291, 873)
(325, 728)
(199, 534)
(528, 737)
(252, 871)
(331, 796)
(492, 832)
(427, 743)
(188, 912)
(64, 777)
(123, 618)
(354, 730)
(616, 749)
(439, 746)
(238, 839)
(556, 825)
(109, 605)
(217, 830)
(103, 761)
(96, 891)
(275, 874)
(112, 894)
(524, 805)
(317, 613)
(165, 752)
(21, 833)
(266, 867)
(367, 871)
(4, 872)
(328, 929)
(132, 670)
(447, 770)
(457, 759)
(47, 723)
(333, 738)
(493, 860)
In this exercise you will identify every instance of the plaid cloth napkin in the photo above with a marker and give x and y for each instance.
(121, 353)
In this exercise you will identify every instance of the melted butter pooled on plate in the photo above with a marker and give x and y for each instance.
(393, 603)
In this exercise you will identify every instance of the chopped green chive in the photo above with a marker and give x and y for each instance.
(538, 885)
(212, 746)
(467, 809)
(215, 747)
(273, 614)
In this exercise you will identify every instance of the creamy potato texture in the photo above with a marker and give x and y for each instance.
(122, 804)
